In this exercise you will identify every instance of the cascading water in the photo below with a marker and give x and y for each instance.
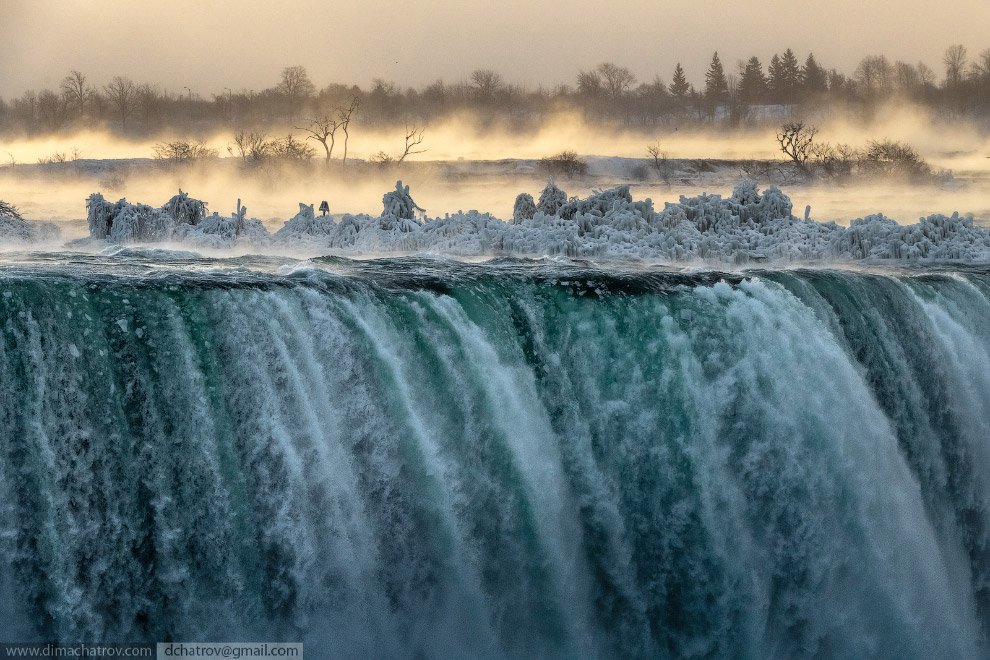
(417, 458)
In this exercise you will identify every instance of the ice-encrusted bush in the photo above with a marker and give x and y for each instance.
(307, 223)
(182, 218)
(183, 209)
(551, 199)
(935, 237)
(12, 226)
(746, 207)
(100, 215)
(123, 222)
(15, 229)
(345, 234)
(598, 203)
(524, 208)
(399, 204)
(9, 211)
(217, 231)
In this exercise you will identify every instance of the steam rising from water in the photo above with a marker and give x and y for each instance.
(460, 169)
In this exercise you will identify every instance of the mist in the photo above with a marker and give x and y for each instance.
(469, 164)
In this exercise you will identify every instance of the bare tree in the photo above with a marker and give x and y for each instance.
(979, 70)
(323, 130)
(795, 139)
(52, 108)
(589, 83)
(906, 76)
(955, 64)
(834, 160)
(344, 116)
(616, 79)
(888, 158)
(75, 91)
(660, 163)
(383, 100)
(875, 74)
(436, 95)
(148, 99)
(181, 152)
(487, 83)
(251, 147)
(122, 95)
(295, 86)
(926, 77)
(98, 104)
(414, 138)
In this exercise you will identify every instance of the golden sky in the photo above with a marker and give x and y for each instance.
(209, 45)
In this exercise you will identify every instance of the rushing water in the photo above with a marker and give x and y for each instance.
(416, 458)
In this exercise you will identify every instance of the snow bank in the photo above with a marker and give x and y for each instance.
(749, 226)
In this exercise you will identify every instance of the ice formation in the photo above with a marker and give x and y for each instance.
(551, 199)
(523, 209)
(182, 218)
(399, 204)
(748, 226)
(15, 229)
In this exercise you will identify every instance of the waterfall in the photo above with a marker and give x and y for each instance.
(406, 459)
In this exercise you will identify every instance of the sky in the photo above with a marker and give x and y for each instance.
(212, 45)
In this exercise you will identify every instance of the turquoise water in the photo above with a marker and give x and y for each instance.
(418, 458)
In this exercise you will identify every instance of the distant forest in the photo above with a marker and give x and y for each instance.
(751, 93)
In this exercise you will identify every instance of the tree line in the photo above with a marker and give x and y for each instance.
(753, 93)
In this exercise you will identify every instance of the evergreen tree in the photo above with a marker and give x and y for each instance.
(752, 82)
(784, 76)
(716, 85)
(814, 80)
(775, 77)
(791, 74)
(679, 86)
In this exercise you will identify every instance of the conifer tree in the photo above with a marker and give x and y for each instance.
(752, 82)
(679, 87)
(814, 80)
(784, 76)
(791, 73)
(775, 78)
(716, 85)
